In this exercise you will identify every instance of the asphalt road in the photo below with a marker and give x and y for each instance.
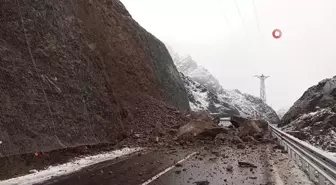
(209, 166)
(131, 170)
(213, 168)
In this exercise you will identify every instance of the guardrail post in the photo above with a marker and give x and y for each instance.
(322, 180)
(298, 160)
(294, 155)
(311, 172)
(306, 167)
(290, 153)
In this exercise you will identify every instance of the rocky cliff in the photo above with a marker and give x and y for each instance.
(313, 117)
(200, 99)
(322, 95)
(205, 93)
(81, 73)
(189, 67)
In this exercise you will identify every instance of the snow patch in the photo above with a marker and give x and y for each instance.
(206, 94)
(67, 168)
(329, 155)
(311, 114)
(246, 104)
(200, 96)
(314, 131)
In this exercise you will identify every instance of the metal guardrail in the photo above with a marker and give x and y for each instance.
(320, 167)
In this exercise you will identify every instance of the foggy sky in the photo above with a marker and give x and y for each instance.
(233, 49)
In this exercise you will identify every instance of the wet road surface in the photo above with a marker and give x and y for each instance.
(209, 166)
(131, 170)
(214, 168)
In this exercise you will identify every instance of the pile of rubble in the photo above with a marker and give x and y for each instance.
(201, 127)
(241, 129)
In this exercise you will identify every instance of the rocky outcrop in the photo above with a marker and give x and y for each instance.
(221, 101)
(322, 95)
(190, 68)
(313, 117)
(201, 98)
(81, 73)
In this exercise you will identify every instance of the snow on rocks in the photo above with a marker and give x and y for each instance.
(33, 171)
(200, 96)
(206, 93)
(312, 118)
(231, 102)
(67, 168)
(315, 128)
(329, 155)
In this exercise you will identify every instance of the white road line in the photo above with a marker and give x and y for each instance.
(166, 170)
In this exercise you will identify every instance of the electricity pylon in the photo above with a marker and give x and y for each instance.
(262, 87)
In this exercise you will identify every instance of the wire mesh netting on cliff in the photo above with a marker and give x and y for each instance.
(78, 73)
(54, 93)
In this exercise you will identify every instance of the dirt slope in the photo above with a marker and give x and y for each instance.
(80, 72)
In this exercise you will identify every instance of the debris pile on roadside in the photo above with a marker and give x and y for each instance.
(242, 130)
(195, 129)
(199, 128)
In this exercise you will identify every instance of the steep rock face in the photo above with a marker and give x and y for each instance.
(318, 128)
(80, 72)
(256, 108)
(313, 117)
(189, 67)
(200, 98)
(205, 93)
(322, 95)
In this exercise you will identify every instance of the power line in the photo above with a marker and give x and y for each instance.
(241, 17)
(225, 16)
(227, 21)
(256, 16)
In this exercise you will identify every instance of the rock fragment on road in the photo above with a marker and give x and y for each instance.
(246, 165)
(202, 182)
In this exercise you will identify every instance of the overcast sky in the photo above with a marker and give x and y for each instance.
(233, 49)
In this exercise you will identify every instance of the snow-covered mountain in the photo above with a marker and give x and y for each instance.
(200, 98)
(313, 117)
(206, 93)
(189, 67)
(281, 112)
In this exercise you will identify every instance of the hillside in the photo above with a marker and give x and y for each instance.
(190, 68)
(313, 117)
(81, 73)
(205, 93)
